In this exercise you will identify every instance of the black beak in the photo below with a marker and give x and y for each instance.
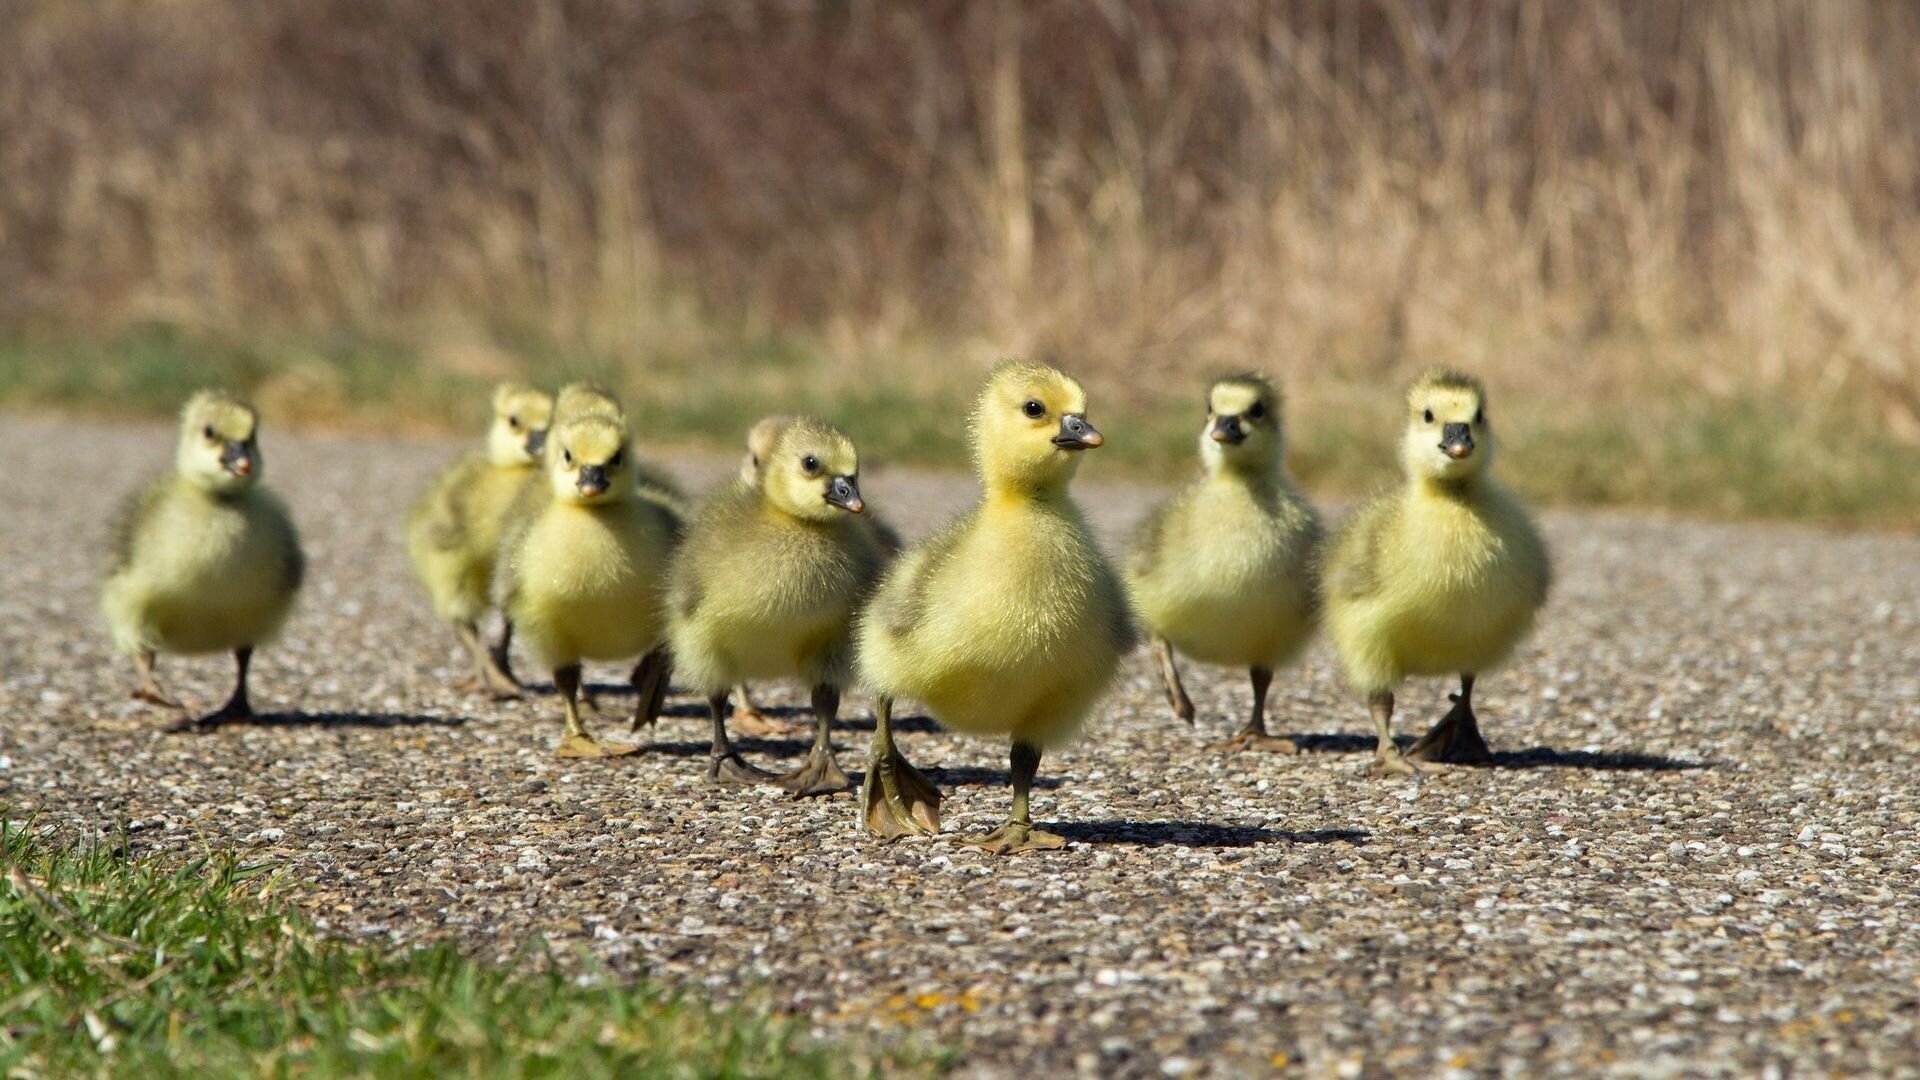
(236, 459)
(1077, 434)
(1227, 429)
(536, 442)
(1456, 441)
(845, 494)
(593, 480)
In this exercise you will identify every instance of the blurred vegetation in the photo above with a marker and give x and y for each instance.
(113, 966)
(1678, 240)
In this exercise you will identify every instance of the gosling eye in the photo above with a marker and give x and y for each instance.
(513, 422)
(1429, 416)
(566, 456)
(614, 461)
(1480, 416)
(208, 432)
(1259, 410)
(810, 465)
(1033, 409)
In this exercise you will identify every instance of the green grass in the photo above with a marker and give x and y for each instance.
(111, 966)
(1718, 457)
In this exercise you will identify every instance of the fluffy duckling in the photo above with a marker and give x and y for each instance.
(1009, 622)
(765, 585)
(583, 399)
(1440, 577)
(454, 533)
(1223, 570)
(583, 578)
(592, 399)
(205, 559)
(747, 717)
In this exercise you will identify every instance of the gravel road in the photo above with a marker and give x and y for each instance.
(1696, 855)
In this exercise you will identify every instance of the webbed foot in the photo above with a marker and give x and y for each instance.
(233, 712)
(153, 695)
(1455, 740)
(1257, 741)
(586, 746)
(1388, 765)
(1016, 836)
(820, 775)
(731, 768)
(897, 799)
(493, 685)
(748, 720)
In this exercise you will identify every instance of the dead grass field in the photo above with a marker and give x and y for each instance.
(1679, 241)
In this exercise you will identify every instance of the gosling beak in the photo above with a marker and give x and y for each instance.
(236, 459)
(536, 442)
(1077, 434)
(1456, 441)
(1227, 429)
(593, 480)
(845, 494)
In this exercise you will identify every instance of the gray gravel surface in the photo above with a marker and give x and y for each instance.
(1697, 854)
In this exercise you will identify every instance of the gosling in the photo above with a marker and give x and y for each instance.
(1009, 622)
(583, 399)
(584, 576)
(747, 717)
(454, 533)
(205, 559)
(1223, 570)
(1442, 576)
(765, 585)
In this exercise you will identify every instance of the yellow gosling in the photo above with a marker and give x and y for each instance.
(1009, 622)
(765, 586)
(585, 576)
(1223, 570)
(1443, 576)
(454, 532)
(204, 559)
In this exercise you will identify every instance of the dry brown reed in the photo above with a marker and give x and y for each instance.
(1595, 204)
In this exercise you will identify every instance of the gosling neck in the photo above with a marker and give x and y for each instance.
(1452, 488)
(1255, 473)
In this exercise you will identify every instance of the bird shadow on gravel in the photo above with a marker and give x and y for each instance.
(973, 776)
(1539, 757)
(1196, 834)
(322, 719)
(780, 748)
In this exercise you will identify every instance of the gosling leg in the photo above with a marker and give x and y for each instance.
(1387, 760)
(1170, 675)
(575, 742)
(896, 800)
(1455, 740)
(1254, 735)
(237, 707)
(489, 676)
(724, 763)
(1018, 833)
(749, 720)
(501, 679)
(821, 773)
(649, 680)
(149, 689)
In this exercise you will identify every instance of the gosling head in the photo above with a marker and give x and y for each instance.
(588, 462)
(1447, 437)
(760, 440)
(521, 416)
(219, 443)
(587, 399)
(1030, 426)
(1243, 423)
(812, 472)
